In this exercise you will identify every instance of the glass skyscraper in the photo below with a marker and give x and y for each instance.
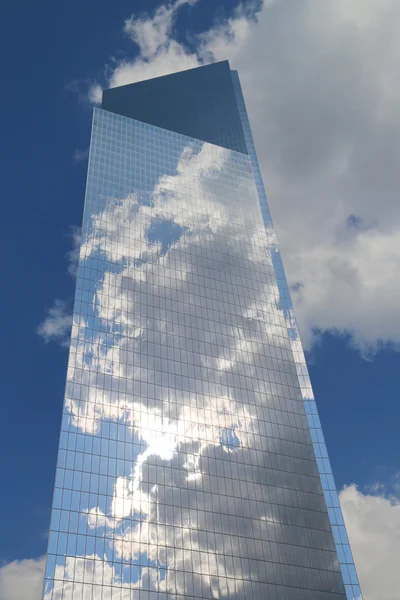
(191, 462)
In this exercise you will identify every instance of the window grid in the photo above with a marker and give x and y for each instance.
(349, 574)
(185, 465)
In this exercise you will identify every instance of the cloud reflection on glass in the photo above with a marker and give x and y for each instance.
(342, 544)
(186, 468)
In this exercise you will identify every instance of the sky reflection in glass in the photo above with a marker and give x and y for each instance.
(186, 467)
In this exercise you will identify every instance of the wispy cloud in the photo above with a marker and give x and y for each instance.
(80, 155)
(73, 254)
(158, 51)
(151, 33)
(56, 326)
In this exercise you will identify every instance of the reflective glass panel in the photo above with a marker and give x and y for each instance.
(186, 468)
(353, 591)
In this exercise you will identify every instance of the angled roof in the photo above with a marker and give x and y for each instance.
(199, 103)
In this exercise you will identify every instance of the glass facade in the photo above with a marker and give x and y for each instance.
(191, 463)
(349, 574)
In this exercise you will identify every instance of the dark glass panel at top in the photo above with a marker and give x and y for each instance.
(199, 103)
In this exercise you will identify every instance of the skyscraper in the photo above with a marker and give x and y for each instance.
(191, 461)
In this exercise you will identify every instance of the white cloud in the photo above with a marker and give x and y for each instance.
(22, 579)
(94, 94)
(73, 254)
(325, 117)
(150, 34)
(57, 324)
(320, 81)
(373, 525)
(159, 53)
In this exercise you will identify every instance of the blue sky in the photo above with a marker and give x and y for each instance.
(54, 58)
